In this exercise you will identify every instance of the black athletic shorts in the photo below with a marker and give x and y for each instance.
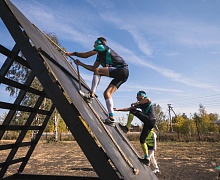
(120, 75)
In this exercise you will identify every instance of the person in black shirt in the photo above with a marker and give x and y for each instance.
(146, 115)
(113, 66)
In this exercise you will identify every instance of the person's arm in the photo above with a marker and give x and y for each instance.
(82, 54)
(125, 109)
(122, 109)
(142, 101)
(133, 105)
(88, 67)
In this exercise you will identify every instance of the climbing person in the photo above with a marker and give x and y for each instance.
(146, 115)
(113, 66)
(151, 142)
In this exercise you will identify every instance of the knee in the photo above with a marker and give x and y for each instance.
(132, 111)
(96, 71)
(142, 141)
(107, 94)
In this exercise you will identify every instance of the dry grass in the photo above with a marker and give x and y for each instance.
(180, 161)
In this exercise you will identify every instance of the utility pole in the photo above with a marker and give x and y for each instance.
(170, 108)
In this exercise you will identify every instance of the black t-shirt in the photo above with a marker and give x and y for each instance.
(108, 57)
(147, 109)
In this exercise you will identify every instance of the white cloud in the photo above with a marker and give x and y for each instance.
(199, 42)
(138, 37)
(170, 74)
(153, 24)
(101, 5)
(136, 87)
(172, 54)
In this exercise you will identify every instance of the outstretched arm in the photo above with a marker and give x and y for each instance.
(124, 109)
(82, 54)
(121, 109)
(133, 105)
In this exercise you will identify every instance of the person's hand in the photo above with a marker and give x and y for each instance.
(115, 109)
(68, 53)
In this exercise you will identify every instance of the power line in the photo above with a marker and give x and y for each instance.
(199, 98)
(209, 101)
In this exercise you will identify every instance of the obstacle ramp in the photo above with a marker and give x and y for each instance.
(107, 149)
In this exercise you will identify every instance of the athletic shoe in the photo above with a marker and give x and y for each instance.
(124, 128)
(109, 121)
(156, 170)
(86, 96)
(144, 161)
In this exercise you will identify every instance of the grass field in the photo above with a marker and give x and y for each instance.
(177, 161)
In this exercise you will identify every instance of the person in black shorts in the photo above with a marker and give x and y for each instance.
(146, 115)
(113, 66)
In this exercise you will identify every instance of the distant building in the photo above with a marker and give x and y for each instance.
(217, 122)
(135, 128)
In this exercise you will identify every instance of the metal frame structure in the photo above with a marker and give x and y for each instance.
(58, 79)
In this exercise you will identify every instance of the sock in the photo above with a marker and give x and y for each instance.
(95, 82)
(145, 150)
(110, 104)
(130, 119)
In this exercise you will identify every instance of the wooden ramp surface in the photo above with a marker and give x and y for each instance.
(121, 153)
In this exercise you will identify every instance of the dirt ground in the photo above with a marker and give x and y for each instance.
(177, 161)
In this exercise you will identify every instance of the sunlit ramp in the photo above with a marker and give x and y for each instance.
(106, 148)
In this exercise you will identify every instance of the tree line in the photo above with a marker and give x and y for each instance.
(198, 125)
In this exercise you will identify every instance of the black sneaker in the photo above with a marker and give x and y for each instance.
(86, 96)
(124, 128)
(144, 161)
(109, 121)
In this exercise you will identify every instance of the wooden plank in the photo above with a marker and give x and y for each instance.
(18, 100)
(35, 141)
(10, 146)
(67, 111)
(16, 107)
(21, 86)
(18, 127)
(13, 55)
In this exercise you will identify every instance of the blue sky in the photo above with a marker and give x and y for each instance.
(172, 47)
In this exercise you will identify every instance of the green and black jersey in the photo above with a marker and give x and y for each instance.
(108, 57)
(147, 109)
